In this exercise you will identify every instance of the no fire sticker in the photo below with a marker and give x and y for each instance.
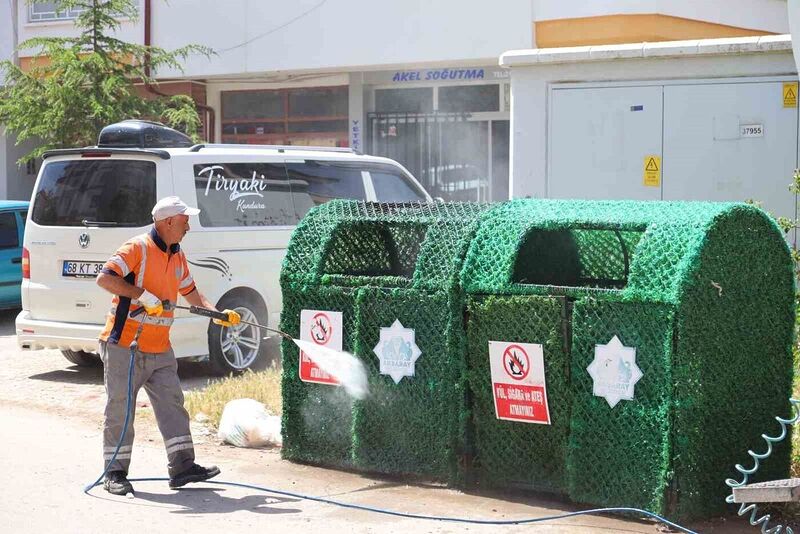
(323, 328)
(518, 384)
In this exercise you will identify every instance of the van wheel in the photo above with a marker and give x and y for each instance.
(237, 348)
(81, 358)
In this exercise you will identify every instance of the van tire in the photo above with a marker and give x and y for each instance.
(81, 358)
(252, 309)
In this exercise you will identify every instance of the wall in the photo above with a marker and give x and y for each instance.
(129, 31)
(7, 34)
(303, 35)
(766, 15)
(529, 97)
(15, 182)
(794, 26)
(18, 183)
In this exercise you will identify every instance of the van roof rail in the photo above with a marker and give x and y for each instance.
(279, 148)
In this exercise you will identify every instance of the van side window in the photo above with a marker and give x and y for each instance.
(243, 194)
(391, 186)
(8, 230)
(315, 182)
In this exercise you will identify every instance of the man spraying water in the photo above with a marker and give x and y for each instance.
(145, 271)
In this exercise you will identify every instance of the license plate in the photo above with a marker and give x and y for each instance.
(81, 269)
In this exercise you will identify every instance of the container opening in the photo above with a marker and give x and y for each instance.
(372, 249)
(576, 257)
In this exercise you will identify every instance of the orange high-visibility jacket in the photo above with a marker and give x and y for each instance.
(146, 261)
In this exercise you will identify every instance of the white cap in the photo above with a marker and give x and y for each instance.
(171, 206)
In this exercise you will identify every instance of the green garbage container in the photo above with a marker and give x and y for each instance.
(385, 280)
(663, 332)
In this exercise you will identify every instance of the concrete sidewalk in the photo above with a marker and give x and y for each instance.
(48, 459)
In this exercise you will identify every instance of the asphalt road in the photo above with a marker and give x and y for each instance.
(50, 448)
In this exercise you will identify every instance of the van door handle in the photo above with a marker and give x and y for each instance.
(16, 260)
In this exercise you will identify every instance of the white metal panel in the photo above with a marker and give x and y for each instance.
(599, 138)
(707, 157)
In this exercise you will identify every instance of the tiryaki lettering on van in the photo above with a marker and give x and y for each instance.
(241, 187)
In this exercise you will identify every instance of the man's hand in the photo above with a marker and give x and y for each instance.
(233, 318)
(152, 304)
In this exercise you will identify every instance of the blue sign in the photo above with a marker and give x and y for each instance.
(438, 74)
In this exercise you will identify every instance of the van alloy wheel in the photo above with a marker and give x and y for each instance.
(240, 343)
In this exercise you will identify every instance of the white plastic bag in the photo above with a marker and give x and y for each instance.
(246, 423)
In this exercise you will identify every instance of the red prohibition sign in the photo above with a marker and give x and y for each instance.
(516, 362)
(321, 329)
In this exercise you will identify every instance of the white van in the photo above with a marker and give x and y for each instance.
(88, 201)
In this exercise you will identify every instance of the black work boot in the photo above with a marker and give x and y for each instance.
(195, 473)
(116, 483)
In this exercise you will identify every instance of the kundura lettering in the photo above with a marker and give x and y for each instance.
(253, 205)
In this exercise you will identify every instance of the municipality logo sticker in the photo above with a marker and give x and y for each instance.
(614, 371)
(397, 351)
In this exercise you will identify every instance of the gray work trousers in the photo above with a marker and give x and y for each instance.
(158, 373)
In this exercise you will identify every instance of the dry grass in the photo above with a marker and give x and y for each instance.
(263, 386)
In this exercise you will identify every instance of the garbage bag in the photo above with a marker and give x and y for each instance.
(247, 423)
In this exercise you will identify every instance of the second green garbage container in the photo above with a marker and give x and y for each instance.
(660, 334)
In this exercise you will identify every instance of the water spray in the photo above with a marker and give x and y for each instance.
(346, 368)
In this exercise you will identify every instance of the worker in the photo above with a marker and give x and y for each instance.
(147, 271)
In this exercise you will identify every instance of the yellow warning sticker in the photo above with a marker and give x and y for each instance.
(790, 94)
(652, 171)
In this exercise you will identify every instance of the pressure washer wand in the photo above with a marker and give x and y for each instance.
(214, 314)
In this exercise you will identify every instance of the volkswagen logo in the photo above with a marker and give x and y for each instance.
(83, 240)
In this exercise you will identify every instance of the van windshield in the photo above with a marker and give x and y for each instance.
(115, 192)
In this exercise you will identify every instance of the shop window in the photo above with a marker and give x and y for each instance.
(318, 102)
(469, 98)
(286, 116)
(254, 128)
(253, 105)
(411, 100)
(317, 126)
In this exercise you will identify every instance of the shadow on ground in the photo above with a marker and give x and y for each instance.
(214, 501)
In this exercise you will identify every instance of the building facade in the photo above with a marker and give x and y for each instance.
(415, 81)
